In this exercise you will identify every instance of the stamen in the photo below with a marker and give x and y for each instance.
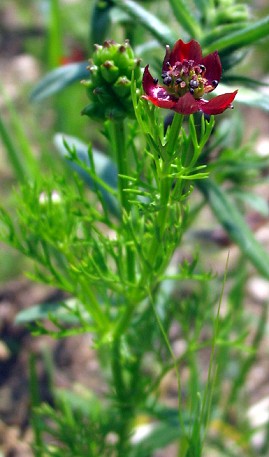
(167, 80)
(214, 83)
(194, 84)
(155, 80)
(202, 67)
(164, 74)
(191, 90)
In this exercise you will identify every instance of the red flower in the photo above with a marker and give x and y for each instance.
(187, 76)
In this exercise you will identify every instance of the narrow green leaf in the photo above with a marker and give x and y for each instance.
(235, 225)
(185, 18)
(13, 154)
(250, 359)
(58, 79)
(60, 310)
(203, 6)
(149, 21)
(40, 312)
(104, 168)
(54, 35)
(20, 154)
(212, 35)
(100, 21)
(244, 37)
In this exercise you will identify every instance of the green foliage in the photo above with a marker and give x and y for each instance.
(114, 225)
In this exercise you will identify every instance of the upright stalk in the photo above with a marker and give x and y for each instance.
(165, 188)
(117, 133)
(124, 403)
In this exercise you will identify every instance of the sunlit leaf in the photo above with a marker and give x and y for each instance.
(100, 21)
(150, 22)
(243, 37)
(58, 79)
(44, 311)
(183, 15)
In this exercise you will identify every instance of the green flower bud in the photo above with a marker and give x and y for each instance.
(109, 87)
(122, 87)
(109, 71)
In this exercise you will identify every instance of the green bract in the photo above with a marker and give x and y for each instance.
(109, 86)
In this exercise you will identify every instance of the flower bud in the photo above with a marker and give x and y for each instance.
(122, 87)
(109, 87)
(109, 71)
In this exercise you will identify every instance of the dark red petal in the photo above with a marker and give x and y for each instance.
(158, 95)
(147, 81)
(213, 67)
(189, 51)
(218, 104)
(160, 102)
(187, 104)
(166, 58)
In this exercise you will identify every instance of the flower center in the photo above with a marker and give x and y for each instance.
(186, 76)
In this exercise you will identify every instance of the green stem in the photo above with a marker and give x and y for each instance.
(124, 320)
(117, 132)
(157, 243)
(146, 281)
(124, 402)
(174, 133)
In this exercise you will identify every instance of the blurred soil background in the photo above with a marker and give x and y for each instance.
(73, 360)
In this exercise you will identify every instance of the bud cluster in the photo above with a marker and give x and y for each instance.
(109, 86)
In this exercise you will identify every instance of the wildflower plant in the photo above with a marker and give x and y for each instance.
(117, 235)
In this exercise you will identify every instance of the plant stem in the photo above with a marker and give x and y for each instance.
(119, 146)
(157, 244)
(174, 132)
(123, 400)
(117, 132)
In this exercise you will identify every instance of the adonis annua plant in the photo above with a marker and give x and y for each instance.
(118, 249)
